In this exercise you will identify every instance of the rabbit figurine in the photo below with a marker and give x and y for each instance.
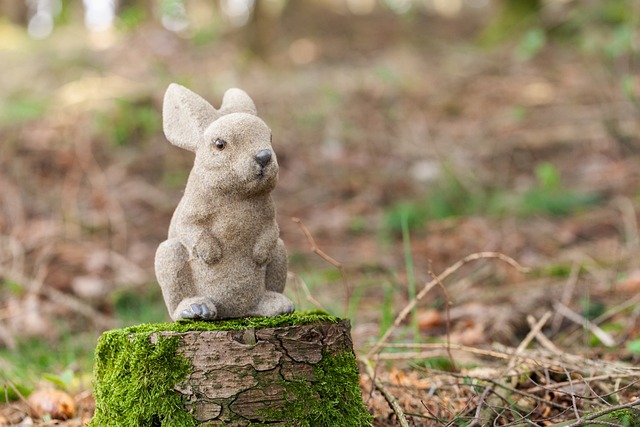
(223, 257)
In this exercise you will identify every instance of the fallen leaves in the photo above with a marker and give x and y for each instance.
(57, 404)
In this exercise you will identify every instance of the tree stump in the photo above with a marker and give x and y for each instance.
(296, 369)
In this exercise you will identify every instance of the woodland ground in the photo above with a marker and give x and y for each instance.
(404, 147)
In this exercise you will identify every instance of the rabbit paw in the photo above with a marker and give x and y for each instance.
(273, 304)
(208, 249)
(196, 309)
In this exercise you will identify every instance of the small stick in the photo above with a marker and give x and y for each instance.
(17, 392)
(523, 393)
(393, 402)
(542, 339)
(497, 384)
(538, 358)
(559, 385)
(588, 419)
(428, 286)
(526, 341)
(316, 250)
(567, 294)
(447, 317)
(443, 346)
(617, 309)
(298, 280)
(572, 393)
(434, 416)
(604, 337)
(537, 327)
(477, 420)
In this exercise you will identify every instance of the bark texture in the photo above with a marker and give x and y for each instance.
(246, 376)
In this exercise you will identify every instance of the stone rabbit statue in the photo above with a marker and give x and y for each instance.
(223, 257)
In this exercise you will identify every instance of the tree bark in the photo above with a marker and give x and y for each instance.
(245, 376)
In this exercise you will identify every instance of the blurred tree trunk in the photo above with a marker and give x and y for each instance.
(261, 30)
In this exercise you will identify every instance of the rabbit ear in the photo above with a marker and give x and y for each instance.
(237, 101)
(185, 116)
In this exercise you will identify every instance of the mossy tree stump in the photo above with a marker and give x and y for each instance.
(296, 369)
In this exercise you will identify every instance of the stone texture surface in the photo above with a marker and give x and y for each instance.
(237, 376)
(223, 257)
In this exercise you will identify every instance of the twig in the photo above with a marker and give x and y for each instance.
(413, 355)
(434, 416)
(477, 420)
(447, 317)
(588, 419)
(559, 385)
(393, 402)
(631, 302)
(535, 330)
(572, 393)
(17, 392)
(604, 337)
(454, 346)
(496, 383)
(428, 286)
(443, 346)
(298, 280)
(567, 293)
(542, 339)
(316, 250)
(525, 394)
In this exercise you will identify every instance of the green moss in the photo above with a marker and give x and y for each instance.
(134, 381)
(135, 378)
(294, 319)
(626, 417)
(332, 399)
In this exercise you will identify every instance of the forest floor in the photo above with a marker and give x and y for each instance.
(402, 152)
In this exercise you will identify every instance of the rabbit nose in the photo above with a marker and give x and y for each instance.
(263, 157)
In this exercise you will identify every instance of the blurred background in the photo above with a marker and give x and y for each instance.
(410, 133)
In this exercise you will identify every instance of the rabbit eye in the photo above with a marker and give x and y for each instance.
(220, 144)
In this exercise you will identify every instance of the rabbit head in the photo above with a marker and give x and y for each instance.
(232, 144)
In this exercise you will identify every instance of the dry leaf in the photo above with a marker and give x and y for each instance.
(429, 319)
(58, 404)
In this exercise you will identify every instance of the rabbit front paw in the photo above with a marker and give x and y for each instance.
(208, 249)
(196, 308)
(261, 256)
(263, 249)
(198, 311)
